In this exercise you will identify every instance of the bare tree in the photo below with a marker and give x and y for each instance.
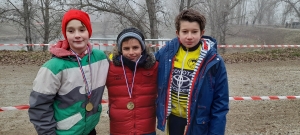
(186, 4)
(152, 18)
(130, 13)
(264, 10)
(287, 10)
(271, 8)
(141, 14)
(21, 16)
(295, 5)
(26, 26)
(240, 13)
(35, 20)
(47, 21)
(218, 16)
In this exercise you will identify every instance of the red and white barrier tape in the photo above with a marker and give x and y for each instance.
(235, 98)
(25, 107)
(19, 107)
(258, 46)
(157, 45)
(264, 98)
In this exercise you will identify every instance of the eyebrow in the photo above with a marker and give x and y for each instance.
(131, 46)
(190, 30)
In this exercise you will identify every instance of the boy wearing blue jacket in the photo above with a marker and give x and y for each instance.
(192, 81)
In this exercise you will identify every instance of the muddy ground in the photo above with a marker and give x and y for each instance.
(278, 78)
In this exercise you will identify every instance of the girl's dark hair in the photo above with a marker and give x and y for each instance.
(190, 15)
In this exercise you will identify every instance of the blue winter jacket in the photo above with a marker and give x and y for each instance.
(209, 99)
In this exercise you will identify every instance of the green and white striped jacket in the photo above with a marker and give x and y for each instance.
(58, 100)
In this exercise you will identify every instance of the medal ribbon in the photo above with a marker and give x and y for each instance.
(130, 89)
(87, 88)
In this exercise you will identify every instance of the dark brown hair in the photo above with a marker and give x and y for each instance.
(190, 15)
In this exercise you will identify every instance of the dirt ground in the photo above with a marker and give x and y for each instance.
(278, 78)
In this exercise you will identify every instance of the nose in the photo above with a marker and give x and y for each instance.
(130, 51)
(189, 35)
(77, 34)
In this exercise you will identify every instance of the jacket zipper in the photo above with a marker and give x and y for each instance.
(168, 91)
(198, 91)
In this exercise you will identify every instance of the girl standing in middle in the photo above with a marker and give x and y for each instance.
(132, 86)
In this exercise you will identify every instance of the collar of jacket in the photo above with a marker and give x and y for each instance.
(147, 61)
(192, 48)
(69, 58)
(174, 44)
(62, 49)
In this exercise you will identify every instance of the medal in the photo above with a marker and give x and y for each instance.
(89, 106)
(130, 105)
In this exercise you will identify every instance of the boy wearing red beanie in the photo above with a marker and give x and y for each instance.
(68, 89)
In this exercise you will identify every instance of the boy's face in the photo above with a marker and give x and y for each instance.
(189, 33)
(131, 49)
(77, 36)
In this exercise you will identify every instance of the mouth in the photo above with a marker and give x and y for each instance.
(77, 41)
(132, 58)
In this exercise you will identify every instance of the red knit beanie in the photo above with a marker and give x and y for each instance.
(78, 15)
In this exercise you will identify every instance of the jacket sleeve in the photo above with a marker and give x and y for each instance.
(41, 99)
(219, 108)
(159, 53)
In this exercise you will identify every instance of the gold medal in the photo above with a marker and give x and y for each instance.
(130, 105)
(89, 107)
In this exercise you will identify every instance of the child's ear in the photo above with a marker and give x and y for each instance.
(177, 33)
(202, 32)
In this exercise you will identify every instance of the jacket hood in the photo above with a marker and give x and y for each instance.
(211, 42)
(62, 49)
(149, 62)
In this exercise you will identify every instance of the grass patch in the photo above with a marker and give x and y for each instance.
(263, 56)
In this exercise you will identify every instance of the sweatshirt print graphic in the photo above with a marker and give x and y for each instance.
(184, 65)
